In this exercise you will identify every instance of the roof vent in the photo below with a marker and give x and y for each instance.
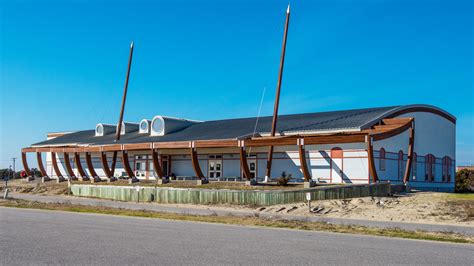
(127, 128)
(162, 125)
(104, 129)
(145, 126)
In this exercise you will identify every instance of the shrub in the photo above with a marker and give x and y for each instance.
(283, 179)
(464, 181)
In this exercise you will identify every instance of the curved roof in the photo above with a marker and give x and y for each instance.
(310, 123)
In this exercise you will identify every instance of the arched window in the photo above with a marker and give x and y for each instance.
(446, 169)
(430, 167)
(382, 159)
(414, 166)
(336, 152)
(400, 165)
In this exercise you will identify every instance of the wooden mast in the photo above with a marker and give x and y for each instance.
(277, 98)
(124, 98)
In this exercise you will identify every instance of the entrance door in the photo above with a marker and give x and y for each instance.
(140, 166)
(165, 165)
(336, 165)
(215, 168)
(252, 162)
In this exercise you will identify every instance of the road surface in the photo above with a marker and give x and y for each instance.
(210, 210)
(52, 237)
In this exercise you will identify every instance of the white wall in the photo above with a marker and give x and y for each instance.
(433, 135)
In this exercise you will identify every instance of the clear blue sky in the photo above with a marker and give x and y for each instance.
(63, 64)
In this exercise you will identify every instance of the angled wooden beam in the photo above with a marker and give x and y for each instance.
(244, 164)
(126, 164)
(55, 165)
(80, 169)
(114, 162)
(40, 165)
(156, 165)
(277, 97)
(303, 163)
(25, 164)
(393, 131)
(69, 170)
(370, 154)
(195, 162)
(411, 144)
(90, 165)
(105, 165)
(122, 108)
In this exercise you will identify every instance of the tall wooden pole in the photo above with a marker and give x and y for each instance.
(277, 99)
(124, 98)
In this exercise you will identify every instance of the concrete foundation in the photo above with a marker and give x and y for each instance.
(133, 180)
(45, 179)
(60, 179)
(29, 178)
(82, 179)
(309, 184)
(73, 178)
(95, 179)
(251, 182)
(201, 182)
(162, 181)
(112, 179)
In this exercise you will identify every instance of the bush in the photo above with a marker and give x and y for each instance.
(464, 181)
(6, 172)
(283, 179)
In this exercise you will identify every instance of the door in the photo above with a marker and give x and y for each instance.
(215, 168)
(252, 162)
(336, 165)
(140, 166)
(165, 165)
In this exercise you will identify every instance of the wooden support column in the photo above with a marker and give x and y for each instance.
(80, 169)
(90, 165)
(244, 164)
(195, 161)
(411, 143)
(303, 163)
(69, 170)
(55, 166)
(370, 153)
(40, 165)
(156, 165)
(126, 164)
(25, 164)
(105, 165)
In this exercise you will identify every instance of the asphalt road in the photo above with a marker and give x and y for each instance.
(210, 210)
(49, 237)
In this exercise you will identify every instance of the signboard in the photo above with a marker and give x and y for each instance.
(308, 196)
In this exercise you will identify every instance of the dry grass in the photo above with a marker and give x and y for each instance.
(245, 221)
(37, 187)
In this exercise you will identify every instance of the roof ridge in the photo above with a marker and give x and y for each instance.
(335, 119)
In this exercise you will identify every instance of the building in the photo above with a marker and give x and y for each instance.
(412, 144)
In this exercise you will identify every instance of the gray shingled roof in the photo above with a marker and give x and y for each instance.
(236, 128)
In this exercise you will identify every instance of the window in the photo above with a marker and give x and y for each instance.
(382, 159)
(414, 166)
(430, 167)
(400, 165)
(446, 169)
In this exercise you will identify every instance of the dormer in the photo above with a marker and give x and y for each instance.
(162, 125)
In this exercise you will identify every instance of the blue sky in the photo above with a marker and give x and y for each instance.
(63, 63)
